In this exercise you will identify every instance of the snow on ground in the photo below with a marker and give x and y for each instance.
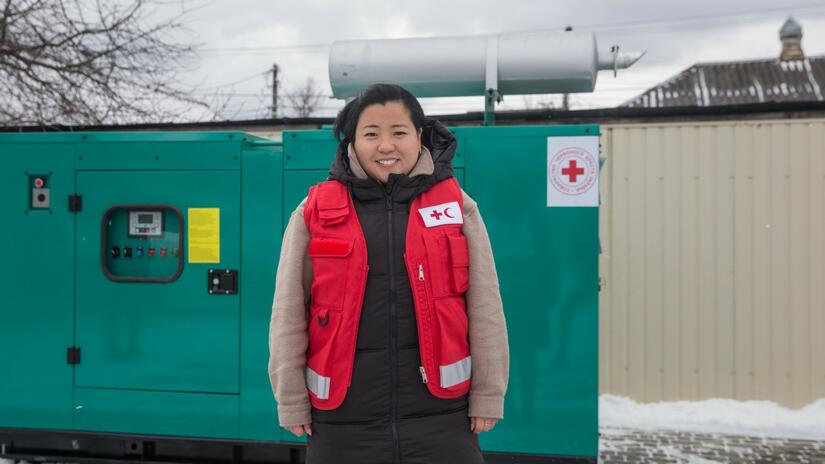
(724, 416)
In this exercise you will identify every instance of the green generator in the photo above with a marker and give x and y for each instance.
(139, 276)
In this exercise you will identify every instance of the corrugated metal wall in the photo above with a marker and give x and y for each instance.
(713, 239)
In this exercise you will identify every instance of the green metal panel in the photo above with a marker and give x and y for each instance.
(156, 413)
(523, 131)
(308, 149)
(37, 288)
(261, 245)
(158, 155)
(137, 335)
(170, 359)
(547, 263)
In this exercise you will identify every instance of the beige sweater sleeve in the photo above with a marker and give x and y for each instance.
(288, 338)
(489, 346)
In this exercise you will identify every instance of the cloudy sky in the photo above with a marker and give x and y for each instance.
(240, 40)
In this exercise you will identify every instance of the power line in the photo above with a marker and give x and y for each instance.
(668, 21)
(673, 29)
(239, 81)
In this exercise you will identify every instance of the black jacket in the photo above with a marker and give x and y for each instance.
(388, 415)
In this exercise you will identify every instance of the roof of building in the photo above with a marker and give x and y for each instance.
(792, 77)
(739, 82)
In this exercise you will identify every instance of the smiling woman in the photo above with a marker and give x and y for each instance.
(383, 127)
(388, 141)
(388, 341)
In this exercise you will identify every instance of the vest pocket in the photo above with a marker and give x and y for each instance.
(448, 259)
(460, 255)
(454, 362)
(324, 324)
(329, 269)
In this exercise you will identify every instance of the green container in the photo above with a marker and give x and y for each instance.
(161, 343)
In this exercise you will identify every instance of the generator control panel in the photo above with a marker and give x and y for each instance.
(145, 223)
(142, 243)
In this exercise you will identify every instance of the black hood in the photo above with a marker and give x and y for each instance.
(435, 136)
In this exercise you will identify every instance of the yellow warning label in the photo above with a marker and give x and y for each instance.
(204, 235)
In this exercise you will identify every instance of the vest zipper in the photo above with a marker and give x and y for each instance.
(432, 357)
(396, 452)
(421, 279)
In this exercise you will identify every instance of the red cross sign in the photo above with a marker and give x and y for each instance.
(572, 171)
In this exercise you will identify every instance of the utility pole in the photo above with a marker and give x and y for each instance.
(274, 108)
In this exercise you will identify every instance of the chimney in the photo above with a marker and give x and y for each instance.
(791, 37)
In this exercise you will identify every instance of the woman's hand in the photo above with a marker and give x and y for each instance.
(298, 430)
(482, 424)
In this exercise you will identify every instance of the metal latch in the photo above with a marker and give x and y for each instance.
(75, 203)
(73, 355)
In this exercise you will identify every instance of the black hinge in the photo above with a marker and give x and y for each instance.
(73, 355)
(75, 203)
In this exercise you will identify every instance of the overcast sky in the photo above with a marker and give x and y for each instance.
(241, 39)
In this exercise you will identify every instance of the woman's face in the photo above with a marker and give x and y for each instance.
(386, 140)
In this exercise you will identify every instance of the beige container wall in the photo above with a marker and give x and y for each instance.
(713, 252)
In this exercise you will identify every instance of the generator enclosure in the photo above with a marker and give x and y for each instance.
(139, 273)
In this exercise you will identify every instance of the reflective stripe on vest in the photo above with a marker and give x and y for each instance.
(455, 373)
(318, 384)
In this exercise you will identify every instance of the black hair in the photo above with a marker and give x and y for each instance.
(347, 120)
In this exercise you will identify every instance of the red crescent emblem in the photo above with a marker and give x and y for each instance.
(448, 214)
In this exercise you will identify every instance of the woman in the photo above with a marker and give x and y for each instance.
(388, 341)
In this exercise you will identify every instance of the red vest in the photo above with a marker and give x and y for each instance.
(437, 261)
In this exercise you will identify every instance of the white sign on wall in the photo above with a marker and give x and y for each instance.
(573, 171)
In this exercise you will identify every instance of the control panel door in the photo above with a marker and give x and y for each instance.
(157, 260)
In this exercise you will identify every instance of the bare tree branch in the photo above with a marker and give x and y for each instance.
(91, 62)
(306, 100)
